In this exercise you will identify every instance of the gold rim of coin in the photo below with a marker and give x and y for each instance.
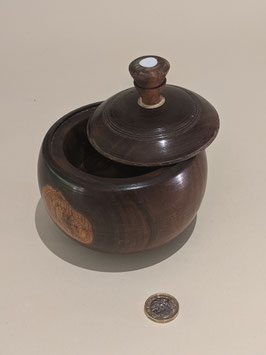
(161, 307)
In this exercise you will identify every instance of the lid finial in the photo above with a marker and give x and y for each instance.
(149, 74)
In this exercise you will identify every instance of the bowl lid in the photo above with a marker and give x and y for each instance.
(152, 124)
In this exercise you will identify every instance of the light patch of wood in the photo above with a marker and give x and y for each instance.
(69, 220)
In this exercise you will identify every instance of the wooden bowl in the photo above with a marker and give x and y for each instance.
(109, 206)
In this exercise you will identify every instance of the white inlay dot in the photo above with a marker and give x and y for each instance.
(148, 62)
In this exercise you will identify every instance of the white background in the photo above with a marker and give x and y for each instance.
(56, 296)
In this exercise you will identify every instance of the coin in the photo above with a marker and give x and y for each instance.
(161, 307)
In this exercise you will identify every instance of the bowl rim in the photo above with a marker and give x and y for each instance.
(58, 164)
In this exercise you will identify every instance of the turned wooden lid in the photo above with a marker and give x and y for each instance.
(152, 123)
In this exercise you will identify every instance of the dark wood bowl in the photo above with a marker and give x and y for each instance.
(109, 206)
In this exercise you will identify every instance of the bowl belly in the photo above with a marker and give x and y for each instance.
(127, 218)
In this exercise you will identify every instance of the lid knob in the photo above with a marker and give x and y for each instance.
(149, 74)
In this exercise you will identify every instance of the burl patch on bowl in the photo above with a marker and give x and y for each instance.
(69, 220)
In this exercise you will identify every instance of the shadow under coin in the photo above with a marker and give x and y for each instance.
(76, 254)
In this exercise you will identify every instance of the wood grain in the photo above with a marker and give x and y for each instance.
(70, 221)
